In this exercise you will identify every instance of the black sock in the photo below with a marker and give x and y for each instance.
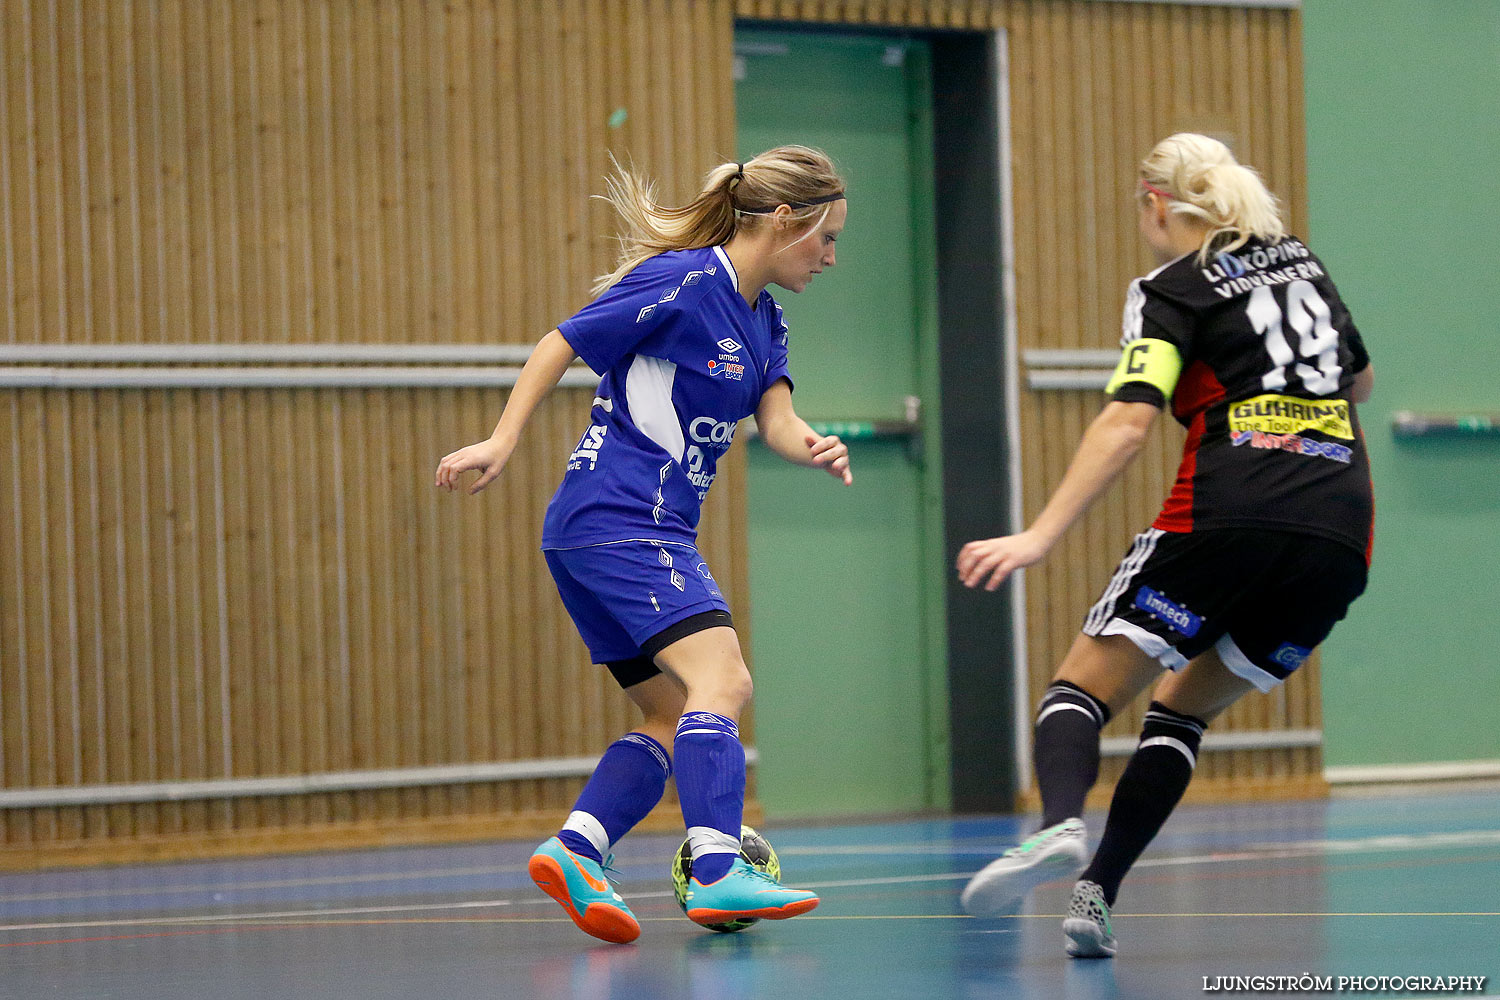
(1066, 749)
(1148, 791)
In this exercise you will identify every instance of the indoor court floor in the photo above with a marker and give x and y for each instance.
(1369, 885)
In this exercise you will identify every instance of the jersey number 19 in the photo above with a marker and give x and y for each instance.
(1317, 340)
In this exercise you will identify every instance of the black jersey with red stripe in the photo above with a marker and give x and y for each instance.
(1258, 354)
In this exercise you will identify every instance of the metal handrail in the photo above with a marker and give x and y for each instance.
(304, 784)
(240, 377)
(261, 353)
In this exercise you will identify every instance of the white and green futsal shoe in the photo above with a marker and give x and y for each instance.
(1087, 928)
(1001, 886)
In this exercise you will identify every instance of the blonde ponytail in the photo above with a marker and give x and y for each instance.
(734, 196)
(1203, 180)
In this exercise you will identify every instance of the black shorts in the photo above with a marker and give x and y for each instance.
(630, 672)
(1263, 599)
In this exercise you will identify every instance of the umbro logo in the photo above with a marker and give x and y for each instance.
(729, 344)
(693, 278)
(669, 295)
(645, 312)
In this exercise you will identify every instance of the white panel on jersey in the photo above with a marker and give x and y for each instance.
(734, 276)
(1135, 302)
(648, 391)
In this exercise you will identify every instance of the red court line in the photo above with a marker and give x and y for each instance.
(1195, 874)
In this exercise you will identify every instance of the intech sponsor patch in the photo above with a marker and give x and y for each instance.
(1273, 414)
(1169, 611)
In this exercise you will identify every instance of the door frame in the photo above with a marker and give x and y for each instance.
(989, 703)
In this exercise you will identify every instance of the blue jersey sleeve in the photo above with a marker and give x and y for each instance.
(642, 304)
(778, 367)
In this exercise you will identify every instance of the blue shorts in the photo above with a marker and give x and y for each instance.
(623, 594)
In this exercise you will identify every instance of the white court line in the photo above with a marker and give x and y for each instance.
(1257, 852)
(220, 918)
(1466, 838)
(1401, 842)
(280, 883)
(986, 849)
(1395, 842)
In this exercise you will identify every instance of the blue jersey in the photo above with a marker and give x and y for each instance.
(684, 359)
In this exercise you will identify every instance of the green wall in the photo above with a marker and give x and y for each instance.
(846, 587)
(1403, 123)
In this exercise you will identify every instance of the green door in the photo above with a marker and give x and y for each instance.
(846, 583)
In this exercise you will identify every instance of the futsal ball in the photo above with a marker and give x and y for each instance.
(754, 848)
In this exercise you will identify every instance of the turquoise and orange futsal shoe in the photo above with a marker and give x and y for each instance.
(744, 893)
(580, 886)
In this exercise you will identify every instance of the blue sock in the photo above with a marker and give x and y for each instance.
(711, 787)
(626, 785)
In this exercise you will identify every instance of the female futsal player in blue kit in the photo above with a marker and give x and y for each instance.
(689, 343)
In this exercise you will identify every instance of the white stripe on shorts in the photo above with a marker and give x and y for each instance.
(1145, 544)
(1149, 643)
(1240, 665)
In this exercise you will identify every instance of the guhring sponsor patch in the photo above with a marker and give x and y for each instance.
(1273, 414)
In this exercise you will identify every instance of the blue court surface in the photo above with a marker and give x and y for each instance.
(1375, 885)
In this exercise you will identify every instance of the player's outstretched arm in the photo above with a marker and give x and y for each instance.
(1111, 441)
(549, 359)
(1364, 384)
(789, 436)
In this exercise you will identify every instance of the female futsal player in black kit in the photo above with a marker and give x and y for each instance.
(1259, 549)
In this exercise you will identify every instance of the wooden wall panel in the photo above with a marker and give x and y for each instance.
(200, 584)
(322, 171)
(284, 594)
(243, 582)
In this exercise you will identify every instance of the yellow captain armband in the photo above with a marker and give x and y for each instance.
(1155, 362)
